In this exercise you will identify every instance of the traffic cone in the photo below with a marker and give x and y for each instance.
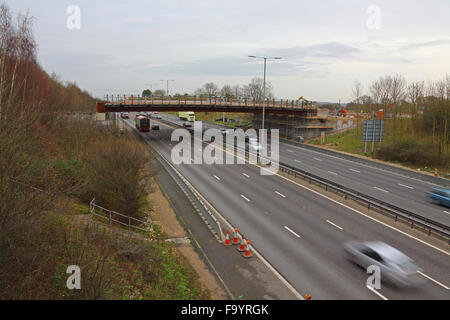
(308, 297)
(242, 246)
(236, 238)
(435, 172)
(227, 239)
(247, 253)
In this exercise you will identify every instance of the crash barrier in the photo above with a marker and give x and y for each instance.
(414, 220)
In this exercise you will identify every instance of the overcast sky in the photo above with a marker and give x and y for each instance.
(325, 45)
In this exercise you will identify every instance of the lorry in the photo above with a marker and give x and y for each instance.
(187, 116)
(142, 123)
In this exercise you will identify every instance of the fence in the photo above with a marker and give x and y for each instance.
(118, 218)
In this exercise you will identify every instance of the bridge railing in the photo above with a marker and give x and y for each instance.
(210, 100)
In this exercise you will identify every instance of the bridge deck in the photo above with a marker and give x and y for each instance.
(207, 105)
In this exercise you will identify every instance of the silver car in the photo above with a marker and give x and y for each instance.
(395, 267)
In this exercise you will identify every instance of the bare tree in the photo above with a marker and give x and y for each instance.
(255, 89)
(357, 91)
(226, 91)
(210, 89)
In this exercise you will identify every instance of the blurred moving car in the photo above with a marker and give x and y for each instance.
(396, 268)
(253, 144)
(440, 196)
(155, 126)
(125, 115)
(156, 115)
(187, 124)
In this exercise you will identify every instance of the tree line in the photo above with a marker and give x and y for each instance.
(253, 91)
(419, 116)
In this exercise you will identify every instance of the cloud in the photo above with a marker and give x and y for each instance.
(427, 44)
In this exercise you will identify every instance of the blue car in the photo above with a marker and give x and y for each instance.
(440, 196)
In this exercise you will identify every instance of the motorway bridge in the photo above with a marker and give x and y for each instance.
(210, 104)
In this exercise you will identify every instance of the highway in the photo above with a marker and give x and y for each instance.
(300, 232)
(393, 188)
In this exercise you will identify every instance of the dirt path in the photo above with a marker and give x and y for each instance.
(163, 215)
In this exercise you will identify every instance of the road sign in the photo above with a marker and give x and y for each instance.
(373, 132)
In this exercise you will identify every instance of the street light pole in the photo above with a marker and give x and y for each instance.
(264, 86)
(167, 88)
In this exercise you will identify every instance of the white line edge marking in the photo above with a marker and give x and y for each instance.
(367, 166)
(297, 161)
(281, 195)
(351, 209)
(282, 279)
(295, 234)
(380, 189)
(217, 177)
(435, 281)
(317, 159)
(377, 293)
(289, 150)
(333, 173)
(260, 257)
(404, 185)
(245, 175)
(333, 224)
(365, 215)
(447, 212)
(355, 170)
(245, 197)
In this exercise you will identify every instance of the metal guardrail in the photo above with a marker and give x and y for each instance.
(412, 218)
(111, 214)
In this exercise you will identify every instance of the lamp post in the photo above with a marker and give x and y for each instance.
(167, 90)
(264, 85)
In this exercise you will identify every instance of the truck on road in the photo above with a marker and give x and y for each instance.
(187, 116)
(142, 123)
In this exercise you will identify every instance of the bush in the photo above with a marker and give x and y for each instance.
(408, 151)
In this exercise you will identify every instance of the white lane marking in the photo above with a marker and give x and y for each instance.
(349, 208)
(380, 189)
(217, 177)
(355, 170)
(297, 161)
(435, 281)
(377, 293)
(245, 198)
(245, 175)
(295, 234)
(447, 212)
(333, 173)
(333, 224)
(282, 195)
(290, 151)
(362, 214)
(404, 185)
(317, 159)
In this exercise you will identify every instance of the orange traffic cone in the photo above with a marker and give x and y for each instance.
(242, 246)
(435, 172)
(247, 253)
(227, 239)
(236, 238)
(308, 297)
